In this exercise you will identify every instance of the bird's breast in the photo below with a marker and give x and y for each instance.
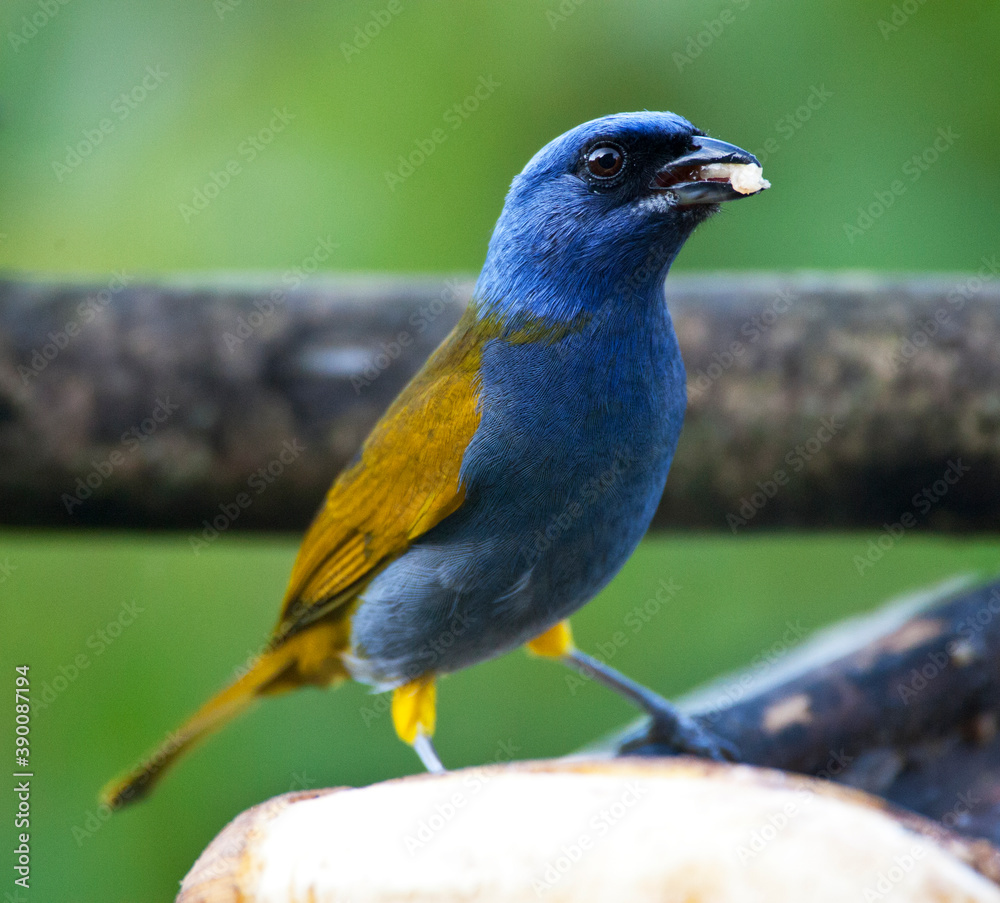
(561, 480)
(569, 461)
(577, 435)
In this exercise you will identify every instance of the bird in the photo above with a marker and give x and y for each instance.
(518, 470)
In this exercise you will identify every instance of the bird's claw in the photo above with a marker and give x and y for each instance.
(685, 736)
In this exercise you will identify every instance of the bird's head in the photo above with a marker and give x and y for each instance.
(609, 202)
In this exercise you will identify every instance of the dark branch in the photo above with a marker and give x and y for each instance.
(817, 401)
(909, 714)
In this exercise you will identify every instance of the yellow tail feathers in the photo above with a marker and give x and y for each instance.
(303, 659)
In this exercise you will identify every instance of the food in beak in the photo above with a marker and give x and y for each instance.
(746, 178)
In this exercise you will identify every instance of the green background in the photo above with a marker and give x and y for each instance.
(325, 172)
(203, 616)
(227, 67)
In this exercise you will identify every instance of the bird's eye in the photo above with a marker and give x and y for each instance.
(605, 161)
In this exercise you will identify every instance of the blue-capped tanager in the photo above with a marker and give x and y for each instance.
(520, 467)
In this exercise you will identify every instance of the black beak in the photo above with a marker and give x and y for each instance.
(685, 178)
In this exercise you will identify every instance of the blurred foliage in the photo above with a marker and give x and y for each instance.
(737, 68)
(185, 622)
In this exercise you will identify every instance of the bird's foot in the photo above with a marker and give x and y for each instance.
(685, 736)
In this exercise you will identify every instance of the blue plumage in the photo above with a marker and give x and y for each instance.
(560, 247)
(515, 474)
(579, 421)
(563, 477)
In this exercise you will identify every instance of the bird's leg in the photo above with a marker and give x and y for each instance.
(424, 747)
(678, 730)
(413, 716)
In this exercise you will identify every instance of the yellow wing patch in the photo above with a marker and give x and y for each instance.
(405, 481)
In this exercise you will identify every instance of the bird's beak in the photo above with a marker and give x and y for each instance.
(711, 173)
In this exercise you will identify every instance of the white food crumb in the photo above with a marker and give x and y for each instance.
(746, 178)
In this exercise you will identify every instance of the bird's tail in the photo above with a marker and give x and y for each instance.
(290, 665)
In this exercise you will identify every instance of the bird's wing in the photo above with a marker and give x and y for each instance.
(404, 481)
